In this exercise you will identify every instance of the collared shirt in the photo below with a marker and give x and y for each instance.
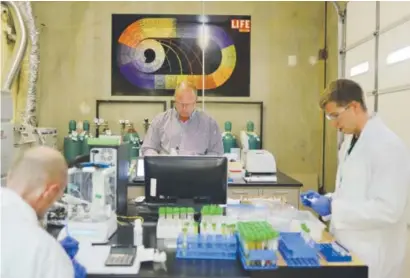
(27, 250)
(199, 135)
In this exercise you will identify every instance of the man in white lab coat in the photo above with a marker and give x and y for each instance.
(36, 180)
(368, 208)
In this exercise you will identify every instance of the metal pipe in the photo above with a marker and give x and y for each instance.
(394, 24)
(341, 29)
(360, 42)
(342, 20)
(322, 185)
(395, 89)
(376, 58)
(33, 63)
(21, 45)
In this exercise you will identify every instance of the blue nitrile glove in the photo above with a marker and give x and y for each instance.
(322, 205)
(79, 270)
(307, 196)
(70, 246)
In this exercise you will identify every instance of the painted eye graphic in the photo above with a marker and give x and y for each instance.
(157, 53)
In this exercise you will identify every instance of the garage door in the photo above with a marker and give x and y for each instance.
(378, 57)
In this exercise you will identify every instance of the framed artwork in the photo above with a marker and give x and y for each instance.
(151, 54)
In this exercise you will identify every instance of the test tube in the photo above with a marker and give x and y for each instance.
(184, 240)
(161, 213)
(190, 214)
(339, 249)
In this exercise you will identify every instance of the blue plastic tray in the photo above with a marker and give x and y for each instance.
(331, 255)
(216, 247)
(296, 252)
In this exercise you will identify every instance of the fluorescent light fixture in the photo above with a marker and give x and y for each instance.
(398, 55)
(359, 69)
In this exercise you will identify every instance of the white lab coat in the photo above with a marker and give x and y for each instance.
(369, 203)
(27, 250)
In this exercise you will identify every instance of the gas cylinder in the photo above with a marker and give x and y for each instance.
(228, 139)
(72, 146)
(253, 139)
(133, 138)
(135, 145)
(85, 149)
(72, 126)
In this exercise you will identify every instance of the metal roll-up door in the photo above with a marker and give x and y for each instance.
(378, 58)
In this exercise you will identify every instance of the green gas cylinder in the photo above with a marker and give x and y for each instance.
(85, 148)
(228, 139)
(86, 126)
(72, 146)
(253, 139)
(72, 126)
(134, 143)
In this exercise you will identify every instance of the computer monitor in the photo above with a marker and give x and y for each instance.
(185, 179)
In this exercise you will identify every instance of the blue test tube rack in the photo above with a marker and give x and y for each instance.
(331, 255)
(296, 252)
(217, 247)
(257, 259)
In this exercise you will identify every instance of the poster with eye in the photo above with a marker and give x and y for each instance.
(152, 54)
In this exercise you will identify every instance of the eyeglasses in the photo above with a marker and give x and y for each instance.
(336, 115)
(185, 105)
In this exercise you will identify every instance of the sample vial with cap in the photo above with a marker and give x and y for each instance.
(138, 232)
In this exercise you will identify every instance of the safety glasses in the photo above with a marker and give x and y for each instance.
(335, 115)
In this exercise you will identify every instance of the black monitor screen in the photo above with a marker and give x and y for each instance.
(202, 179)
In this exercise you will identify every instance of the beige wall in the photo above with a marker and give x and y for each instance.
(75, 70)
(20, 85)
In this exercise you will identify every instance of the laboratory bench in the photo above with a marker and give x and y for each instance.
(174, 267)
(285, 187)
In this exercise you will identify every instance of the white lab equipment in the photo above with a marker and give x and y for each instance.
(261, 166)
(138, 232)
(91, 199)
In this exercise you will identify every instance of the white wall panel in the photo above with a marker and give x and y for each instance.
(393, 11)
(360, 21)
(370, 103)
(393, 109)
(356, 58)
(396, 74)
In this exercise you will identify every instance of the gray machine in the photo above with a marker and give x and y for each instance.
(104, 150)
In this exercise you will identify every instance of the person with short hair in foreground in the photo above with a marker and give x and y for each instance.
(37, 179)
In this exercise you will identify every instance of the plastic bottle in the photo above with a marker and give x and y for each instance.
(138, 232)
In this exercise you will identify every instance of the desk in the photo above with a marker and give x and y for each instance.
(285, 186)
(219, 268)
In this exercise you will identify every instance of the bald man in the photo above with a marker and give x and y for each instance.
(36, 180)
(183, 130)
